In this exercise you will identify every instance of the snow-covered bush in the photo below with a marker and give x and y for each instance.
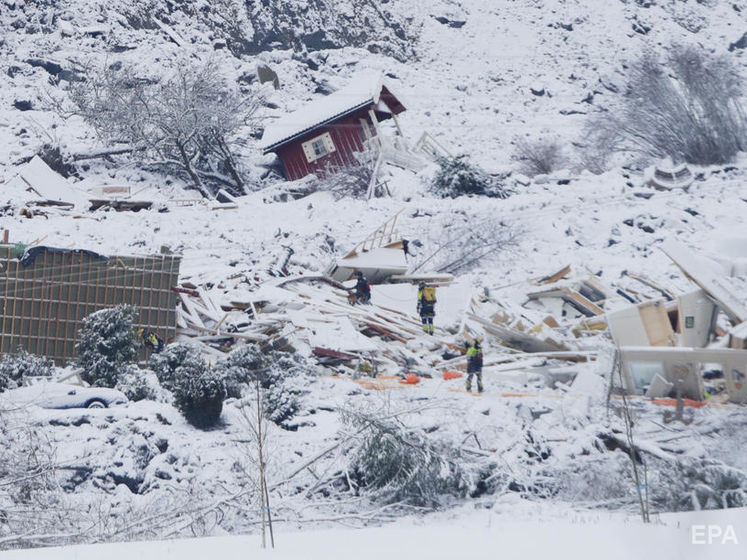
(598, 479)
(278, 375)
(166, 364)
(198, 391)
(457, 176)
(538, 157)
(397, 464)
(199, 397)
(107, 345)
(137, 386)
(688, 106)
(14, 368)
(700, 484)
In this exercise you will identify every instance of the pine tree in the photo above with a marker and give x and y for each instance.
(276, 374)
(107, 345)
(165, 364)
(457, 176)
(198, 389)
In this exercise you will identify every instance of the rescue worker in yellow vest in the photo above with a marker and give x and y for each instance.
(150, 340)
(474, 364)
(427, 306)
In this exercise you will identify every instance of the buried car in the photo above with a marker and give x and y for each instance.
(63, 395)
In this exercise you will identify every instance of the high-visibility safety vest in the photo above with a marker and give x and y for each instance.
(427, 294)
(474, 355)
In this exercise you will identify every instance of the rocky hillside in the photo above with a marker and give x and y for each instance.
(477, 75)
(480, 76)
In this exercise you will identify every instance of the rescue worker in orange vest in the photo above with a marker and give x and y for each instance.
(426, 306)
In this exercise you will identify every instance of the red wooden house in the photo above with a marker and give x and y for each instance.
(328, 131)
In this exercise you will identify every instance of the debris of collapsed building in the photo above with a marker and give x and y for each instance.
(671, 342)
(652, 333)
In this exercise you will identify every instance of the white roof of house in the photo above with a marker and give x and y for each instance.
(363, 90)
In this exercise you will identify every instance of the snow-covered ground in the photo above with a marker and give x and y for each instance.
(518, 531)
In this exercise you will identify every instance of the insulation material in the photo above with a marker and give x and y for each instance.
(659, 387)
(656, 323)
(626, 327)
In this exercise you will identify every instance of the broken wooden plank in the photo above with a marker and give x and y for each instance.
(305, 279)
(523, 341)
(383, 330)
(656, 323)
(552, 278)
(327, 353)
(242, 336)
(668, 295)
(189, 311)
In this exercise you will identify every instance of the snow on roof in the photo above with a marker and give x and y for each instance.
(48, 185)
(365, 89)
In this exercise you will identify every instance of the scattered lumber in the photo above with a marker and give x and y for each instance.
(515, 338)
(572, 297)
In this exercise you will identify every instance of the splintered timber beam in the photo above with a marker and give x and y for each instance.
(523, 341)
(382, 330)
(552, 278)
